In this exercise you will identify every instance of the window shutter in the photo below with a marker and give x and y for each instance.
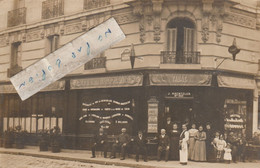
(188, 40)
(171, 39)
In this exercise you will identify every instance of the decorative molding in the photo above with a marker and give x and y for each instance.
(219, 28)
(207, 9)
(34, 35)
(205, 29)
(73, 28)
(16, 37)
(61, 28)
(157, 32)
(4, 40)
(142, 30)
(240, 20)
(126, 18)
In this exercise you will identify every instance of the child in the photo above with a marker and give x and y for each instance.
(227, 154)
(221, 144)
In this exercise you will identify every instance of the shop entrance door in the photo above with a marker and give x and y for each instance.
(180, 110)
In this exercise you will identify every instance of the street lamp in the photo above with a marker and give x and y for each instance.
(233, 49)
(132, 56)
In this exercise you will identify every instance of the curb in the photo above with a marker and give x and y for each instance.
(93, 161)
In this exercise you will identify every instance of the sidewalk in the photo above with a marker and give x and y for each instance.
(84, 156)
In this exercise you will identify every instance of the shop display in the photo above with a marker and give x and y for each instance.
(235, 116)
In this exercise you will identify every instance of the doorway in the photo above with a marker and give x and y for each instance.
(180, 110)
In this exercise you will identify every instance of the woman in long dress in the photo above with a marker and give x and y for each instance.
(174, 145)
(192, 133)
(199, 152)
(184, 138)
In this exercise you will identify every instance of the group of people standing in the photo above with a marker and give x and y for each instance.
(188, 144)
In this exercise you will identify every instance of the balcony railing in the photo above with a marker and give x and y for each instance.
(180, 57)
(52, 8)
(95, 63)
(16, 17)
(92, 4)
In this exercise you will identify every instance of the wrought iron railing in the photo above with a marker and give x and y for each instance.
(95, 63)
(52, 8)
(180, 57)
(16, 17)
(92, 4)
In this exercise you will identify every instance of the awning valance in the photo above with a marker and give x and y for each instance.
(7, 88)
(129, 80)
(236, 82)
(180, 79)
(58, 85)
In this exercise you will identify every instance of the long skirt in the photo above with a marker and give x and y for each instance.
(191, 146)
(184, 153)
(174, 148)
(199, 152)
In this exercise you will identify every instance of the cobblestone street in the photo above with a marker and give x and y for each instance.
(21, 161)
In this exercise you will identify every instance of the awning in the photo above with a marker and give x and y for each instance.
(7, 88)
(107, 81)
(236, 82)
(58, 85)
(180, 79)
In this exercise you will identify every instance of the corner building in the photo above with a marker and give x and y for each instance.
(174, 62)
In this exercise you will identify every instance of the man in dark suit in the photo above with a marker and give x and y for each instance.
(163, 145)
(100, 141)
(120, 142)
(168, 125)
(140, 141)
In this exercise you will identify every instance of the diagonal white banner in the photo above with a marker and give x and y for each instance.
(66, 59)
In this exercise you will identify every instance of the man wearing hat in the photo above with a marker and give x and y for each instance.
(120, 142)
(140, 141)
(100, 141)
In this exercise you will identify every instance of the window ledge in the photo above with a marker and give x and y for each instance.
(180, 66)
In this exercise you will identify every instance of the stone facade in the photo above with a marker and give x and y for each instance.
(217, 23)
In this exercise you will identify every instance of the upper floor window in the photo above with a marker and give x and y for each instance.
(180, 42)
(52, 43)
(92, 4)
(17, 16)
(52, 8)
(16, 54)
(16, 59)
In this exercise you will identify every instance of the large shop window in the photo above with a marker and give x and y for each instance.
(110, 113)
(41, 111)
(180, 46)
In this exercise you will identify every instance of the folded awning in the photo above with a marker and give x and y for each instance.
(58, 85)
(7, 88)
(180, 79)
(128, 80)
(236, 82)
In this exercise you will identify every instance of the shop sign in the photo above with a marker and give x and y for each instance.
(179, 94)
(107, 82)
(152, 115)
(180, 79)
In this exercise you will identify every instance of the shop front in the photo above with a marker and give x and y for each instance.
(225, 101)
(137, 101)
